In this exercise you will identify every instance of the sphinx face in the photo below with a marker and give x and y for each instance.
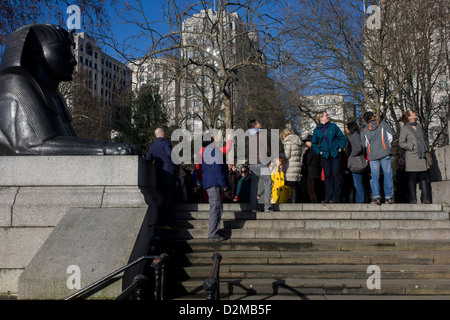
(60, 59)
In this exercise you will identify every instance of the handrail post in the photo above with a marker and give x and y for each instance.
(212, 284)
(159, 265)
(137, 286)
(141, 280)
(163, 275)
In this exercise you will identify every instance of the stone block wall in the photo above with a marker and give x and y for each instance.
(36, 192)
(440, 176)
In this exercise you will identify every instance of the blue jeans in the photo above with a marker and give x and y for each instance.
(386, 165)
(359, 187)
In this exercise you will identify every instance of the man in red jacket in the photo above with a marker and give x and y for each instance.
(215, 179)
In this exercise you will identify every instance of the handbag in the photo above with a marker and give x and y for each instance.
(357, 164)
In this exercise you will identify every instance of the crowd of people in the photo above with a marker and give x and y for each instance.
(325, 167)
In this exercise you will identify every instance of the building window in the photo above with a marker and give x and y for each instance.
(89, 49)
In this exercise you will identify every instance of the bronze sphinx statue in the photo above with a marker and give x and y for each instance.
(34, 118)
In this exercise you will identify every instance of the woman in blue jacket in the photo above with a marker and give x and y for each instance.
(328, 141)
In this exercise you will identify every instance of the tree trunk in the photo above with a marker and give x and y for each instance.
(228, 115)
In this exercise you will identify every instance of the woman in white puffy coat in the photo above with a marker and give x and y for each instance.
(293, 150)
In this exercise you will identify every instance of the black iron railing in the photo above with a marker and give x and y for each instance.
(159, 264)
(138, 283)
(212, 283)
(136, 287)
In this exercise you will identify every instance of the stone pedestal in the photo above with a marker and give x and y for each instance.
(440, 177)
(93, 212)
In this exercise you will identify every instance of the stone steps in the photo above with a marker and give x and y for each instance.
(201, 245)
(314, 224)
(329, 271)
(311, 287)
(319, 257)
(317, 215)
(282, 233)
(327, 207)
(311, 250)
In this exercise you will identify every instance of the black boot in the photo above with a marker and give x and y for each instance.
(412, 192)
(425, 196)
(293, 195)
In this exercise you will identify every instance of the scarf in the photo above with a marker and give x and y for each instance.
(324, 129)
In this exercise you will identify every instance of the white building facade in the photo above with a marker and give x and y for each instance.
(340, 111)
(106, 75)
(160, 72)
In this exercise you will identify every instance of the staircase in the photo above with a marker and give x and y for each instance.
(311, 251)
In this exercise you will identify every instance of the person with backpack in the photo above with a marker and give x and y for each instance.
(376, 138)
(328, 141)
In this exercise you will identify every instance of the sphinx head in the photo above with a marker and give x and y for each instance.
(42, 47)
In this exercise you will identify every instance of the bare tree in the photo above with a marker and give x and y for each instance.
(376, 58)
(91, 119)
(17, 13)
(426, 86)
(229, 37)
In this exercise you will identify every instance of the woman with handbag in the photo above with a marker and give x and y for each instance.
(413, 142)
(329, 141)
(357, 163)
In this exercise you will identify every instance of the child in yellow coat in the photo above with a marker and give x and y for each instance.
(280, 191)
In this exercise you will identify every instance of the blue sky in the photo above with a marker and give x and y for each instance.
(154, 12)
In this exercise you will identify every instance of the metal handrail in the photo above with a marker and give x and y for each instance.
(109, 276)
(159, 264)
(138, 283)
(212, 283)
